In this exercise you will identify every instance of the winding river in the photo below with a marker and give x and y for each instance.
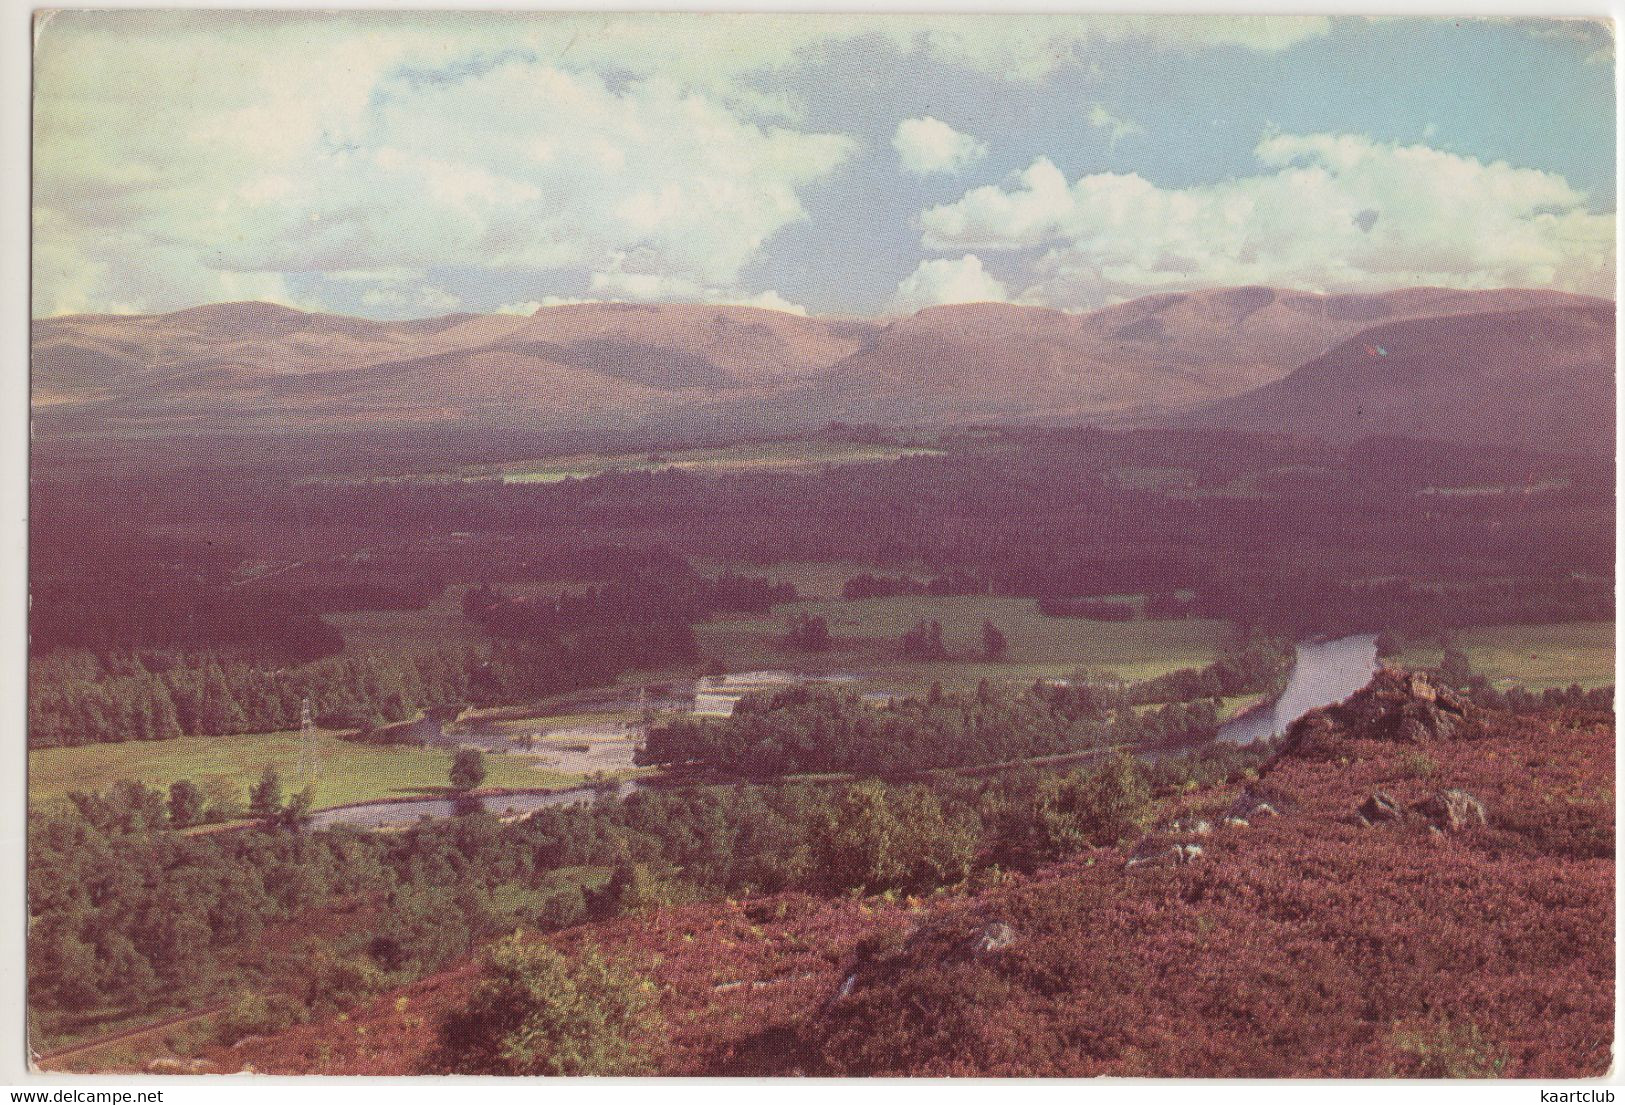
(1326, 672)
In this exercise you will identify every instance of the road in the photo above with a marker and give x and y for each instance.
(127, 1034)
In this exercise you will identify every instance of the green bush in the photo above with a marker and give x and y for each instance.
(257, 1014)
(534, 1011)
(1445, 1049)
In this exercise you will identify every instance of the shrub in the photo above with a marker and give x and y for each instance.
(536, 1012)
(257, 1014)
(1114, 802)
(874, 838)
(562, 908)
(468, 769)
(1446, 1049)
(1415, 764)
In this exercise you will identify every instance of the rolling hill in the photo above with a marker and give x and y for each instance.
(1157, 353)
(1541, 377)
(1253, 358)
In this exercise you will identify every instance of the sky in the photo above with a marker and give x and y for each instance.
(397, 165)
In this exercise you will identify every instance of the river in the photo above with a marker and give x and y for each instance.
(395, 815)
(1326, 672)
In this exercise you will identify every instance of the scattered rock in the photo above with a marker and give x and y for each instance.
(1452, 811)
(994, 937)
(1251, 804)
(848, 984)
(1379, 808)
(1163, 854)
(1236, 823)
(166, 1065)
(1190, 826)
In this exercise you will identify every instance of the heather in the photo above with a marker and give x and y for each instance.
(1306, 944)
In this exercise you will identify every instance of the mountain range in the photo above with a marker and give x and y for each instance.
(1530, 367)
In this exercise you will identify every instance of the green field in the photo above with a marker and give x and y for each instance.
(759, 456)
(813, 579)
(1532, 656)
(867, 634)
(349, 772)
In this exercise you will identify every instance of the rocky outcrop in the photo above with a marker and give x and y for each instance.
(1380, 808)
(1453, 811)
(1399, 706)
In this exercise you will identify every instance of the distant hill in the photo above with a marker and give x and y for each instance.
(258, 366)
(1157, 353)
(1540, 377)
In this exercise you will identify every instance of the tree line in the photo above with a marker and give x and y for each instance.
(80, 697)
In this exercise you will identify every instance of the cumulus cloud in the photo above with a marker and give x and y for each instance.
(1328, 212)
(943, 281)
(630, 277)
(929, 145)
(371, 152)
(1031, 47)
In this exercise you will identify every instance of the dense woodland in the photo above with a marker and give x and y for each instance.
(1415, 535)
(143, 623)
(821, 729)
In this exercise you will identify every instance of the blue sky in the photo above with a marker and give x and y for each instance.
(412, 165)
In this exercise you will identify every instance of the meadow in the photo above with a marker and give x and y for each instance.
(867, 634)
(349, 772)
(1532, 656)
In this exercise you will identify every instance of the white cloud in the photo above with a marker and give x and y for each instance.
(161, 183)
(1101, 116)
(1030, 47)
(929, 145)
(944, 281)
(1326, 212)
(767, 301)
(629, 278)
